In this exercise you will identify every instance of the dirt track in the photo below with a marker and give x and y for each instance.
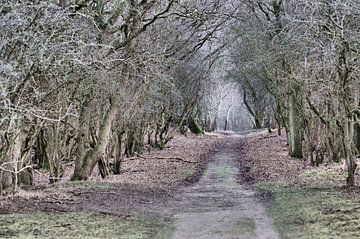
(218, 206)
(211, 205)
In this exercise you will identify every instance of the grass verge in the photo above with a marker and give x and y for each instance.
(81, 225)
(245, 226)
(85, 185)
(307, 212)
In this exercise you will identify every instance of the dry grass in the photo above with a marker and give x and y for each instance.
(307, 202)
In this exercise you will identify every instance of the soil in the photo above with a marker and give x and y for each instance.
(146, 182)
(218, 206)
(193, 182)
(266, 159)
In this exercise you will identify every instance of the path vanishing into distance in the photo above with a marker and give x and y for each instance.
(214, 206)
(218, 207)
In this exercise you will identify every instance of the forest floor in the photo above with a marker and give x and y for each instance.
(303, 201)
(211, 186)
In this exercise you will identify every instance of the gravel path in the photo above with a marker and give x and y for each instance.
(218, 207)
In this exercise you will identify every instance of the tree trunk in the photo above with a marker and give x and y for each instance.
(149, 134)
(82, 138)
(278, 122)
(120, 148)
(40, 157)
(295, 136)
(350, 161)
(103, 167)
(6, 178)
(257, 123)
(357, 137)
(52, 152)
(86, 164)
(131, 141)
(194, 127)
(12, 161)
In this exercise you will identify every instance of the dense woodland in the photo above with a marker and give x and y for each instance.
(88, 80)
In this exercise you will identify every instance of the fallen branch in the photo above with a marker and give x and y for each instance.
(173, 158)
(60, 202)
(165, 158)
(133, 171)
(95, 192)
(268, 137)
(15, 171)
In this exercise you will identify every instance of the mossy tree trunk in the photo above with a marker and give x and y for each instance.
(131, 144)
(295, 132)
(194, 127)
(347, 103)
(13, 155)
(86, 163)
(357, 137)
(349, 156)
(40, 157)
(120, 147)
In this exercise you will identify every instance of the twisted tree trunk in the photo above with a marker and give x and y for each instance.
(85, 164)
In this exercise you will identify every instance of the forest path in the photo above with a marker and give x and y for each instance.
(217, 206)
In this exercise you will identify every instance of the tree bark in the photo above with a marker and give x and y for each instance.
(194, 127)
(350, 161)
(87, 163)
(295, 136)
(257, 123)
(82, 138)
(120, 148)
(357, 137)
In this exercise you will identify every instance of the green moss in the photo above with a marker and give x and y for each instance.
(319, 173)
(312, 213)
(225, 171)
(80, 225)
(166, 231)
(245, 226)
(206, 173)
(194, 127)
(321, 177)
(271, 187)
(86, 185)
(187, 173)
